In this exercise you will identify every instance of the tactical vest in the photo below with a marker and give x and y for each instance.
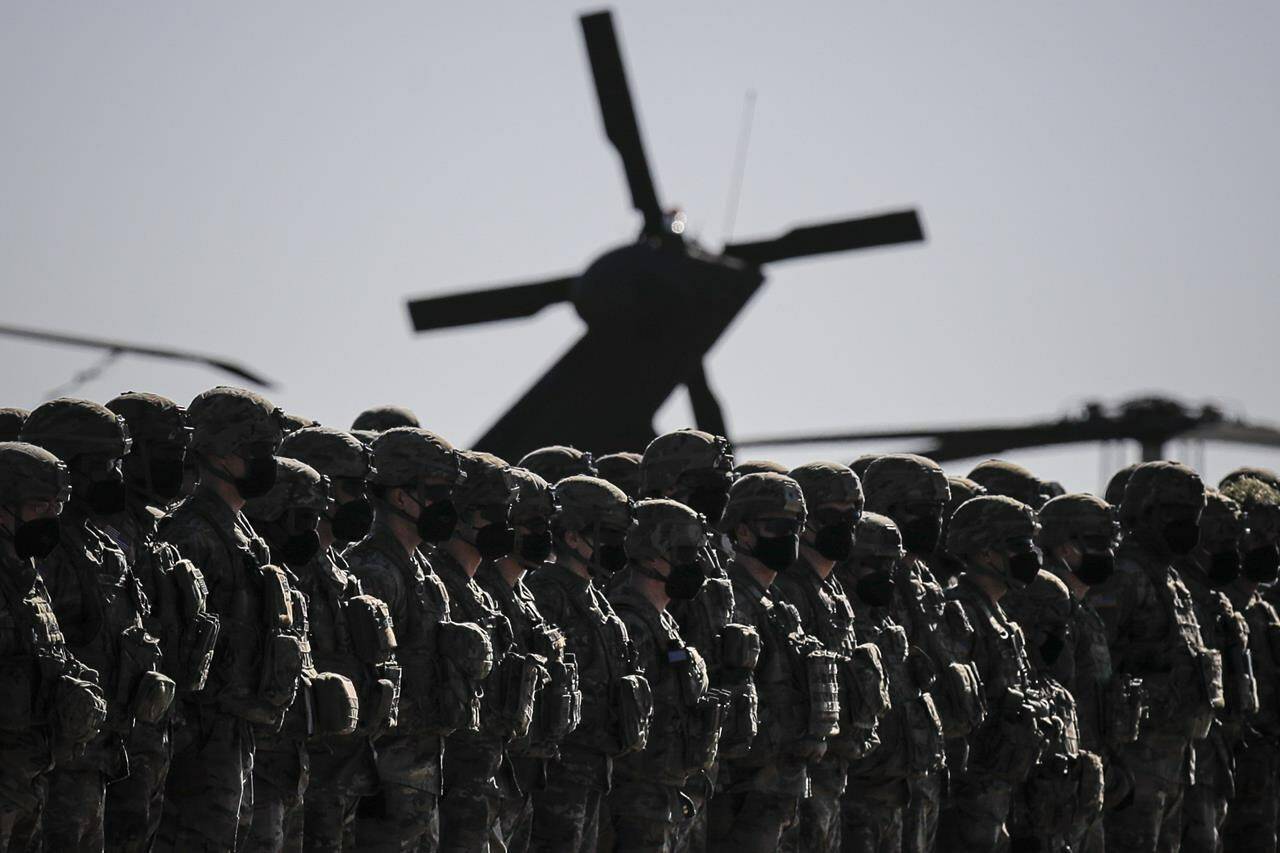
(32, 653)
(1225, 631)
(1264, 631)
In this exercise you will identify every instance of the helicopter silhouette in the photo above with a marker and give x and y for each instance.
(653, 307)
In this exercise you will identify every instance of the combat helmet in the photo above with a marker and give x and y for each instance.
(383, 418)
(1000, 477)
(1114, 492)
(1001, 524)
(332, 452)
(152, 419)
(30, 473)
(1266, 475)
(297, 486)
(69, 428)
(486, 484)
(765, 494)
(11, 421)
(898, 478)
(584, 502)
(1044, 611)
(232, 421)
(1077, 517)
(533, 503)
(828, 483)
(1155, 484)
(860, 465)
(672, 454)
(623, 470)
(665, 529)
(1260, 544)
(556, 462)
(759, 466)
(405, 456)
(877, 537)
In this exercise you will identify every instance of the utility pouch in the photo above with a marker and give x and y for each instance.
(277, 600)
(558, 708)
(822, 679)
(1125, 707)
(195, 652)
(959, 699)
(925, 743)
(924, 672)
(1091, 787)
(378, 708)
(739, 646)
(742, 720)
(193, 592)
(1008, 744)
(520, 677)
(335, 703)
(79, 712)
(282, 661)
(1240, 684)
(467, 648)
(19, 679)
(369, 625)
(139, 654)
(634, 713)
(153, 697)
(864, 688)
(691, 674)
(702, 735)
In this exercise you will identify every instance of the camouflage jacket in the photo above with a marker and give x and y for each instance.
(1264, 634)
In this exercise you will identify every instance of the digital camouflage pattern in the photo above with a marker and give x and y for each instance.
(623, 470)
(224, 420)
(557, 462)
(674, 453)
(759, 466)
(332, 452)
(383, 418)
(1000, 477)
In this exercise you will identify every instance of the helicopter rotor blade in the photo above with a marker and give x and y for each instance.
(483, 306)
(1237, 433)
(883, 230)
(619, 114)
(138, 349)
(707, 412)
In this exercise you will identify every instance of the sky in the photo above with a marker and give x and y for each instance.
(270, 182)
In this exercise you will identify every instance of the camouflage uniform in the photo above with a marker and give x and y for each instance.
(404, 813)
(648, 805)
(994, 536)
(1082, 528)
(623, 470)
(100, 606)
(567, 811)
(37, 670)
(910, 734)
(1153, 634)
(555, 463)
(695, 468)
(209, 793)
(1252, 818)
(343, 766)
(834, 500)
(153, 475)
(999, 477)
(959, 489)
(758, 794)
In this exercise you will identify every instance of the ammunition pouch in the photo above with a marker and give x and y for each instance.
(334, 703)
(282, 663)
(153, 697)
(739, 646)
(1124, 709)
(959, 698)
(702, 734)
(79, 713)
(864, 687)
(139, 655)
(922, 732)
(464, 658)
(1009, 742)
(822, 682)
(519, 678)
(558, 708)
(380, 706)
(192, 591)
(277, 600)
(741, 721)
(369, 626)
(634, 708)
(194, 655)
(691, 674)
(1240, 685)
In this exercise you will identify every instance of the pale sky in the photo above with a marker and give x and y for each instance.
(270, 182)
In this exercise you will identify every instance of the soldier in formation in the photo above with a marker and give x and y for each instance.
(227, 629)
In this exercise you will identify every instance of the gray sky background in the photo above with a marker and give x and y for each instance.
(270, 181)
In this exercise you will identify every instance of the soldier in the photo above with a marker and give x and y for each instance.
(556, 462)
(994, 537)
(411, 486)
(476, 774)
(153, 476)
(1213, 565)
(911, 743)
(1114, 493)
(209, 793)
(695, 468)
(351, 634)
(860, 465)
(833, 497)
(11, 421)
(590, 522)
(100, 606)
(382, 418)
(559, 701)
(623, 470)
(960, 489)
(1079, 535)
(1153, 635)
(913, 492)
(1010, 479)
(648, 803)
(757, 795)
(1251, 823)
(52, 706)
(287, 517)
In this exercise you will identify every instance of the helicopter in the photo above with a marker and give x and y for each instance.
(653, 307)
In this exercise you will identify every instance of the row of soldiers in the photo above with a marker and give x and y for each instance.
(222, 628)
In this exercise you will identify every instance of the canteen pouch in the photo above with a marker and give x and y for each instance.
(465, 658)
(519, 679)
(78, 714)
(369, 625)
(195, 652)
(742, 722)
(634, 713)
(139, 654)
(277, 602)
(822, 679)
(19, 678)
(864, 688)
(739, 646)
(153, 697)
(702, 735)
(334, 703)
(925, 743)
(193, 592)
(1125, 707)
(466, 646)
(282, 661)
(959, 698)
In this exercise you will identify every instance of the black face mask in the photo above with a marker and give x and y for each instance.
(920, 535)
(351, 521)
(611, 558)
(1181, 537)
(875, 589)
(1024, 566)
(684, 581)
(298, 549)
(163, 478)
(106, 497)
(834, 541)
(258, 479)
(533, 547)
(1224, 567)
(495, 540)
(708, 501)
(1095, 567)
(1051, 649)
(1260, 564)
(437, 521)
(777, 552)
(36, 538)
